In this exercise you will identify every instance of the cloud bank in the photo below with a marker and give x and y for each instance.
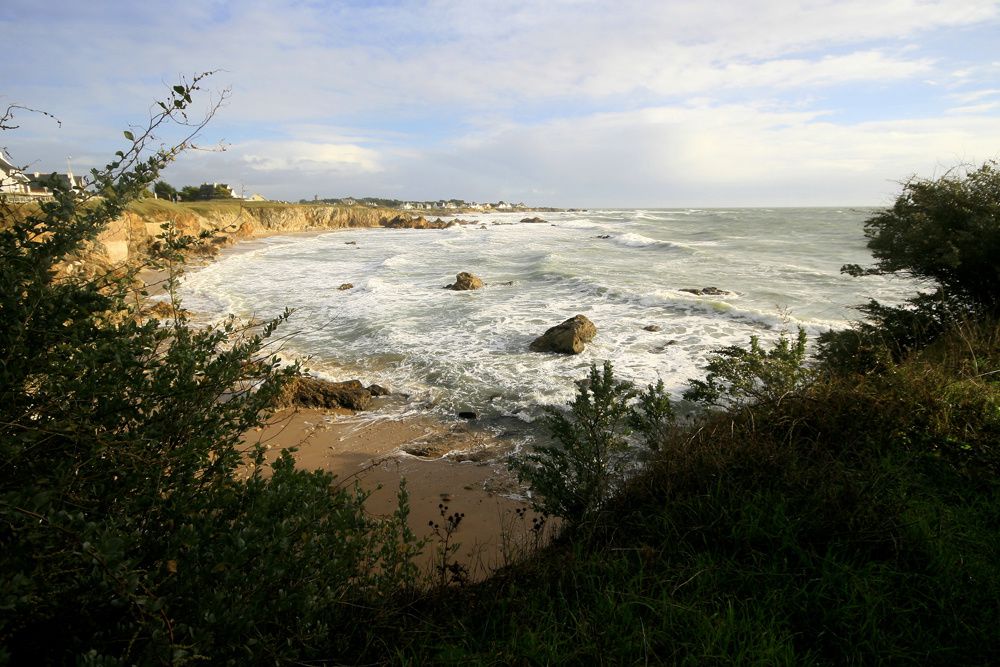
(571, 102)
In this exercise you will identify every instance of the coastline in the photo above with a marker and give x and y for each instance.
(447, 466)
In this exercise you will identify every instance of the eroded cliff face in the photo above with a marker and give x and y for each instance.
(129, 236)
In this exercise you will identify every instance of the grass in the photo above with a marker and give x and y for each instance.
(150, 206)
(856, 521)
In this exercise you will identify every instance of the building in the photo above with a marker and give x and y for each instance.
(12, 179)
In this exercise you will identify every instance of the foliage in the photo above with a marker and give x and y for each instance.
(653, 415)
(793, 534)
(739, 376)
(135, 522)
(889, 333)
(205, 192)
(946, 230)
(164, 190)
(577, 473)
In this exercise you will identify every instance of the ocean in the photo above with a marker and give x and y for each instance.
(624, 269)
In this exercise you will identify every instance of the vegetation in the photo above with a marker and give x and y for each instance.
(164, 190)
(839, 511)
(135, 523)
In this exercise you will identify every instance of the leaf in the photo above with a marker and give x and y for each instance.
(129, 135)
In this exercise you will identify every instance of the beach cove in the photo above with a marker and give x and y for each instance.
(640, 275)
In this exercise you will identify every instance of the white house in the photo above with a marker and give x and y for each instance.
(12, 179)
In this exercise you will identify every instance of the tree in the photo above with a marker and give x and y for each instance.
(135, 523)
(206, 192)
(164, 190)
(946, 230)
(739, 377)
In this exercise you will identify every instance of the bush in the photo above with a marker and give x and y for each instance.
(889, 333)
(581, 470)
(135, 523)
(739, 377)
(946, 230)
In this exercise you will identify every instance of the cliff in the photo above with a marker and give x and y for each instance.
(128, 237)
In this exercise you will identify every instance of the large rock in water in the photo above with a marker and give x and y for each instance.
(310, 392)
(465, 281)
(569, 337)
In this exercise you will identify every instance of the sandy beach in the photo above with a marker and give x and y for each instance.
(448, 467)
(451, 471)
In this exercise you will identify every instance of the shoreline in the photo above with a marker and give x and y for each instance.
(451, 464)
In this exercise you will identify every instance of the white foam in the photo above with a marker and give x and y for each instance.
(468, 350)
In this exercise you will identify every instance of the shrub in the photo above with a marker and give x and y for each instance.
(739, 376)
(946, 230)
(588, 460)
(135, 523)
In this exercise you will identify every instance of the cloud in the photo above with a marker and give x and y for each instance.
(307, 156)
(575, 99)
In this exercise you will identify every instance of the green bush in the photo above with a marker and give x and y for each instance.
(588, 460)
(738, 376)
(135, 522)
(946, 230)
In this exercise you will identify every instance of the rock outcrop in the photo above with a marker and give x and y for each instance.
(406, 222)
(535, 220)
(346, 286)
(311, 392)
(466, 281)
(652, 327)
(705, 291)
(570, 337)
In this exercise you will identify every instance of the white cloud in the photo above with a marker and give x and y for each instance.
(306, 156)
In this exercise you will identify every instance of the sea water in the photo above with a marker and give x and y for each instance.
(452, 351)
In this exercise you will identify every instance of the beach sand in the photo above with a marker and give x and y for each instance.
(453, 472)
(448, 467)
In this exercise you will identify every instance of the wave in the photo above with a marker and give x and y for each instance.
(633, 240)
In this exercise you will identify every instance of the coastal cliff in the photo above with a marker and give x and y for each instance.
(127, 237)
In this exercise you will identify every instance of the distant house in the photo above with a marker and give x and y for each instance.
(45, 182)
(15, 182)
(12, 179)
(503, 205)
(256, 197)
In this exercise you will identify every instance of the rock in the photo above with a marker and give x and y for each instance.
(652, 327)
(350, 243)
(603, 236)
(536, 220)
(465, 281)
(706, 291)
(406, 222)
(663, 348)
(346, 286)
(569, 337)
(310, 392)
(378, 390)
(163, 310)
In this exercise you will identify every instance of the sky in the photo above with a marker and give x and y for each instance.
(571, 103)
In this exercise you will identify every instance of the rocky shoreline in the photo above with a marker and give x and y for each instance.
(129, 237)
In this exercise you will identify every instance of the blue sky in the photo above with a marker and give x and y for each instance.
(564, 102)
